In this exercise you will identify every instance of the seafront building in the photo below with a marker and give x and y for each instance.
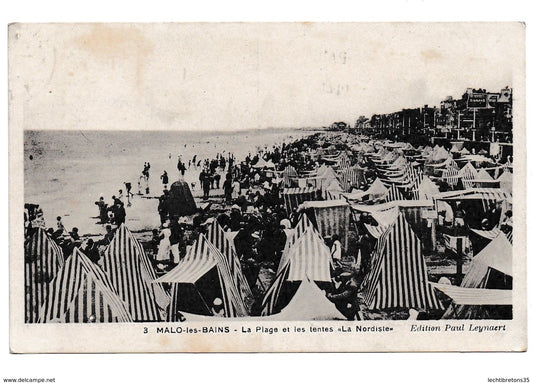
(478, 115)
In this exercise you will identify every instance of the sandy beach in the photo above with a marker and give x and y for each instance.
(66, 172)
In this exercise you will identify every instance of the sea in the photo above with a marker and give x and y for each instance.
(66, 172)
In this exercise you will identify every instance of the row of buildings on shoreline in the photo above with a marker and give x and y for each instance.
(479, 115)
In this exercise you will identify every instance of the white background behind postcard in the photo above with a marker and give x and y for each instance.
(88, 368)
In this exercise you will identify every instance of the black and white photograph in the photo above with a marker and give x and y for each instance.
(323, 178)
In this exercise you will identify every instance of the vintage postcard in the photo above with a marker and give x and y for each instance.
(269, 187)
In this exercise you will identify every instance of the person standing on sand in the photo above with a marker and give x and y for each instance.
(140, 181)
(181, 167)
(128, 192)
(120, 213)
(217, 180)
(162, 207)
(336, 249)
(164, 179)
(205, 180)
(227, 188)
(60, 227)
(236, 189)
(163, 253)
(102, 208)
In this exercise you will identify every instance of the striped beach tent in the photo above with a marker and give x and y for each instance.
(293, 197)
(220, 239)
(82, 293)
(132, 274)
(415, 177)
(201, 258)
(289, 176)
(398, 273)
(352, 177)
(451, 174)
(42, 260)
(271, 297)
(394, 194)
(343, 161)
(331, 217)
(487, 196)
(308, 258)
(292, 237)
(375, 231)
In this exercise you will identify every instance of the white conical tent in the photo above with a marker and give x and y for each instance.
(269, 165)
(427, 189)
(327, 177)
(506, 181)
(321, 170)
(400, 162)
(439, 155)
(132, 274)
(261, 163)
(80, 293)
(333, 191)
(384, 219)
(309, 303)
(483, 175)
(498, 255)
(43, 259)
(377, 188)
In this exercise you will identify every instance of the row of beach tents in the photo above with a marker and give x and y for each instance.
(125, 288)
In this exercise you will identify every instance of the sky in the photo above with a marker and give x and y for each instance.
(242, 76)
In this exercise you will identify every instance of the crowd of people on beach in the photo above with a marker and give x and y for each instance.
(252, 210)
(65, 239)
